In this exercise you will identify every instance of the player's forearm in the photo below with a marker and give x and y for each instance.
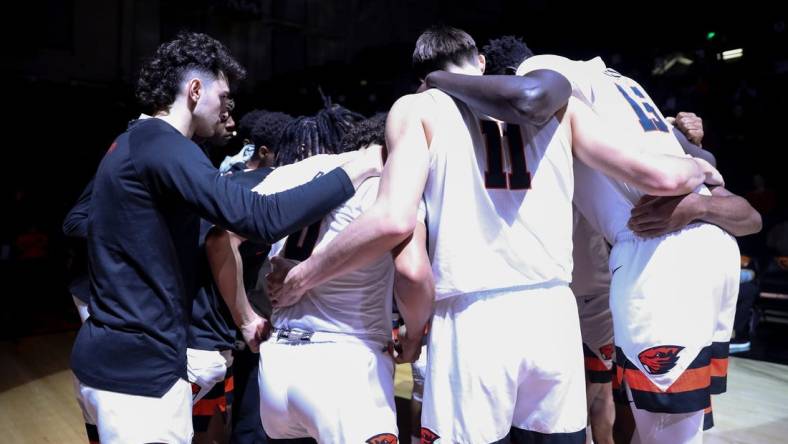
(415, 301)
(600, 146)
(227, 269)
(730, 212)
(414, 286)
(534, 97)
(368, 238)
(666, 175)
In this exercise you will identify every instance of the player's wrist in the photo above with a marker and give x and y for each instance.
(248, 319)
(299, 277)
(701, 206)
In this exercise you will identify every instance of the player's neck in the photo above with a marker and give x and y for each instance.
(179, 117)
(466, 68)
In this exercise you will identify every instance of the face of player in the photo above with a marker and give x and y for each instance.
(224, 131)
(211, 108)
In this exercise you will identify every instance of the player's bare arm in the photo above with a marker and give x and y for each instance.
(534, 97)
(392, 218)
(414, 289)
(602, 147)
(655, 216)
(225, 261)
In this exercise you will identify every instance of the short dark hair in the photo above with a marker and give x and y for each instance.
(263, 127)
(504, 54)
(161, 75)
(440, 45)
(367, 132)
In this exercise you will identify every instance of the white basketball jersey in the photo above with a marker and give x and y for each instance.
(623, 103)
(358, 303)
(591, 254)
(499, 202)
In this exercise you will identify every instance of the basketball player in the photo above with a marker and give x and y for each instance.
(500, 245)
(646, 128)
(653, 217)
(150, 190)
(326, 372)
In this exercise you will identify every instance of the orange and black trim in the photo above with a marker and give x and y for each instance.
(229, 387)
(216, 400)
(691, 392)
(619, 392)
(719, 367)
(708, 419)
(596, 370)
(92, 431)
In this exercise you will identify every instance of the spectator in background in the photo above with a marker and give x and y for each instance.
(761, 197)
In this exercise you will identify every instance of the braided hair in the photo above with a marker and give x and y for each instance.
(319, 134)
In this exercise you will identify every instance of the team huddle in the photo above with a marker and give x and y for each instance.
(520, 220)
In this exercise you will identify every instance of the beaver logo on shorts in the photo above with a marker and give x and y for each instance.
(428, 436)
(606, 351)
(383, 438)
(660, 359)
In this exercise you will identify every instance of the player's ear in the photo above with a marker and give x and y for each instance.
(482, 62)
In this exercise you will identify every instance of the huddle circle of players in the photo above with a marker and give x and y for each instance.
(498, 192)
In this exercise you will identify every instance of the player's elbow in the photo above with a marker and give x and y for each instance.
(413, 271)
(529, 104)
(397, 226)
(539, 98)
(752, 224)
(216, 240)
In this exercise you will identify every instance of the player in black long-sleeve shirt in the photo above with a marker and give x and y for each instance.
(150, 190)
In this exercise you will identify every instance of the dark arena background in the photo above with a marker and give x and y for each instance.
(68, 74)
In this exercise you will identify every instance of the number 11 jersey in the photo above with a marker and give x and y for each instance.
(499, 202)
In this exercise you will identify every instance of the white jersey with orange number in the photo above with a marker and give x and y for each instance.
(499, 202)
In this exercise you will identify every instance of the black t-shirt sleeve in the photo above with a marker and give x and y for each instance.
(170, 164)
(76, 222)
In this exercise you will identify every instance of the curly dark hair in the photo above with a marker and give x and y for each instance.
(263, 127)
(504, 54)
(440, 45)
(367, 132)
(161, 75)
(319, 134)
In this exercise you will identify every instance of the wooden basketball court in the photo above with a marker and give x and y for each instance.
(37, 398)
